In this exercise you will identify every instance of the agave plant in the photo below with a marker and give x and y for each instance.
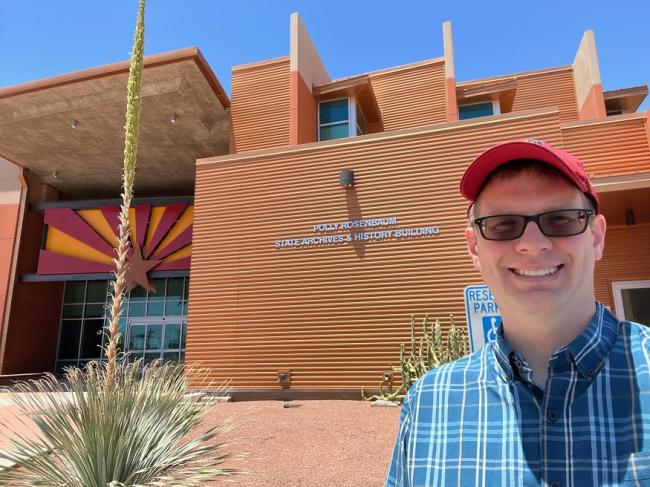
(129, 435)
(116, 423)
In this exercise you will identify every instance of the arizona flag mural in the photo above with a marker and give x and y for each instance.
(82, 241)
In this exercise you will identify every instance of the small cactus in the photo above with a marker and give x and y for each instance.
(427, 353)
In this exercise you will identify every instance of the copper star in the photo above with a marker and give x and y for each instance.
(136, 272)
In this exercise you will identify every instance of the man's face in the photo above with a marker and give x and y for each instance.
(567, 263)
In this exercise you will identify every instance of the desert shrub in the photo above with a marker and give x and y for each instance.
(426, 352)
(129, 434)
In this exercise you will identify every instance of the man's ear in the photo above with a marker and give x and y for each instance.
(598, 229)
(472, 247)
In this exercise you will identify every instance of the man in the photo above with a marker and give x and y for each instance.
(561, 397)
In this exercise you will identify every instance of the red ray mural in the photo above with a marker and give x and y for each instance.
(80, 241)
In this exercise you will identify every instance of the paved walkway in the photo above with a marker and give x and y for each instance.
(11, 419)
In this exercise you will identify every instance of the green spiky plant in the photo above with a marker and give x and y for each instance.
(426, 353)
(116, 423)
(131, 436)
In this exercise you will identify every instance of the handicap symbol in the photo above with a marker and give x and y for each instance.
(490, 325)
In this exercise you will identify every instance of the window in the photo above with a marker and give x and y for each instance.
(362, 126)
(340, 118)
(475, 110)
(632, 300)
(151, 323)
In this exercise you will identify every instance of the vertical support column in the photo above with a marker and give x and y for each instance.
(12, 206)
(647, 125)
(586, 78)
(306, 70)
(450, 79)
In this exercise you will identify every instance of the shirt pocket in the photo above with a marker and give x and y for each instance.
(637, 469)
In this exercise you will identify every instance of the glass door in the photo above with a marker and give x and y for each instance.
(153, 338)
(632, 301)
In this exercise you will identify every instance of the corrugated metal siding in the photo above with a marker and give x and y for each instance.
(411, 97)
(618, 146)
(260, 106)
(626, 258)
(541, 89)
(548, 89)
(334, 315)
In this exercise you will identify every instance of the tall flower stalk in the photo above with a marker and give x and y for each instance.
(115, 424)
(132, 128)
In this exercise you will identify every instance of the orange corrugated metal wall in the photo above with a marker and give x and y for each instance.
(548, 89)
(260, 105)
(626, 258)
(333, 315)
(411, 97)
(618, 145)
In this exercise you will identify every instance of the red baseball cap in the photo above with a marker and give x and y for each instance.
(478, 171)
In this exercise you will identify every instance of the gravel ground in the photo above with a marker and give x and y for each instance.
(311, 443)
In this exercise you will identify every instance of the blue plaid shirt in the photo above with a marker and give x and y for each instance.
(482, 421)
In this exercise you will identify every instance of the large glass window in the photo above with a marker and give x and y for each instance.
(340, 118)
(334, 120)
(152, 324)
(475, 110)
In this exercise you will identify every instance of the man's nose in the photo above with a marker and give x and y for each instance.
(533, 240)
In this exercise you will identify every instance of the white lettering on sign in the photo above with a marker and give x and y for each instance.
(483, 317)
(369, 229)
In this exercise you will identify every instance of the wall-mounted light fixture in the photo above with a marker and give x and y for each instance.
(387, 376)
(346, 178)
(52, 178)
(284, 378)
(172, 119)
(629, 217)
(73, 124)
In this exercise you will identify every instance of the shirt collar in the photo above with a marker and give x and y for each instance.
(588, 351)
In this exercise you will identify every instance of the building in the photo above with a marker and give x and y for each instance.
(318, 214)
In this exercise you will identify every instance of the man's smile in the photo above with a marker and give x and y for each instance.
(542, 272)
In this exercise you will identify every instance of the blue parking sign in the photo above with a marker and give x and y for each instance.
(490, 324)
(483, 315)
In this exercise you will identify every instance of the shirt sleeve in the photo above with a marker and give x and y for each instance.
(398, 473)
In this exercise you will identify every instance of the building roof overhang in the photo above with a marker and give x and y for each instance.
(69, 129)
(359, 87)
(627, 100)
(503, 90)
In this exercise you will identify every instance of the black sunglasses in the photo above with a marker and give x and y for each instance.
(556, 223)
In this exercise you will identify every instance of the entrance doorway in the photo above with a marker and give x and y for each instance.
(155, 338)
(632, 300)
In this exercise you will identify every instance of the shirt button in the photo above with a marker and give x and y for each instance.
(590, 372)
(552, 416)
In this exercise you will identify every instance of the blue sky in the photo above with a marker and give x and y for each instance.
(45, 38)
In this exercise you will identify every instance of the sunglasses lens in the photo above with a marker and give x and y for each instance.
(504, 227)
(563, 223)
